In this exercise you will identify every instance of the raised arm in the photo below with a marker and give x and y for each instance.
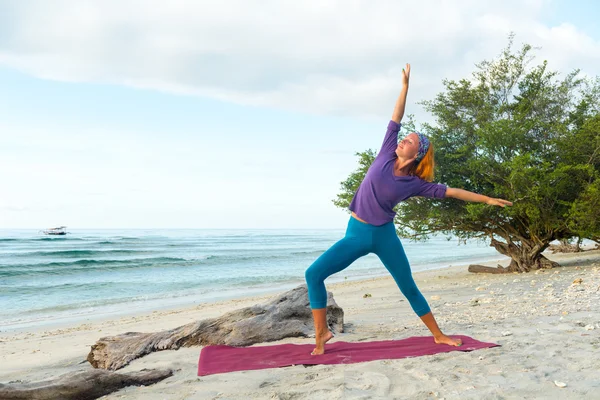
(476, 198)
(401, 102)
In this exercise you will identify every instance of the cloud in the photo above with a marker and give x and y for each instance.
(13, 208)
(326, 57)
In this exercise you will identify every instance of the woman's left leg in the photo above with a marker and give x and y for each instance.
(391, 253)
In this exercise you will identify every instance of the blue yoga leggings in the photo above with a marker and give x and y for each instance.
(360, 240)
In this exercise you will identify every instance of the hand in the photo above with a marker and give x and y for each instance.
(406, 75)
(498, 202)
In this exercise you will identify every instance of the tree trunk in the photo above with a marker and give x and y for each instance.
(524, 257)
(287, 315)
(81, 385)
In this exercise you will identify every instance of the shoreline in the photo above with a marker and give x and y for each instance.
(191, 307)
(547, 326)
(82, 316)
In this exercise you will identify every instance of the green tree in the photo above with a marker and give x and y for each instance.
(514, 132)
(584, 148)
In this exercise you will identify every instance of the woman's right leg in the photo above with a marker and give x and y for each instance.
(336, 258)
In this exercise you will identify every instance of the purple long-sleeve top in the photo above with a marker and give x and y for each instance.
(381, 190)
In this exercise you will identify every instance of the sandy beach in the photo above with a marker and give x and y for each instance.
(547, 323)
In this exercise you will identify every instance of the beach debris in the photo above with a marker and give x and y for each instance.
(506, 333)
(84, 385)
(578, 281)
(435, 297)
(474, 302)
(564, 247)
(560, 384)
(480, 288)
(475, 268)
(367, 295)
(285, 315)
(589, 327)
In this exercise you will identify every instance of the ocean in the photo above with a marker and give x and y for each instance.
(90, 273)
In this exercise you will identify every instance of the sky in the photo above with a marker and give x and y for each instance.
(232, 114)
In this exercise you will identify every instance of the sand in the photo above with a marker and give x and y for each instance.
(547, 323)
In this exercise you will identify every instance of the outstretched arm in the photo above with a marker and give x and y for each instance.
(401, 102)
(476, 198)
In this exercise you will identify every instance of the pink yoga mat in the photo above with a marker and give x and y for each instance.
(219, 359)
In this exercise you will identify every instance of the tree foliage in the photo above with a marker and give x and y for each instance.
(513, 131)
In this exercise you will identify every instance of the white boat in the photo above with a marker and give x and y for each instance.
(60, 230)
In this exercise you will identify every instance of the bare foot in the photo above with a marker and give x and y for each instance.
(321, 340)
(443, 339)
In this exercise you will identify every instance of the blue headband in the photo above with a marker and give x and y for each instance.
(423, 146)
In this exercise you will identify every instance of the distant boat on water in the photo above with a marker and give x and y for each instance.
(60, 230)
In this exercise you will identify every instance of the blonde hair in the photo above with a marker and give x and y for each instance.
(424, 169)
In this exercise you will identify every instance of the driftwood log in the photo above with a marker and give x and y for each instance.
(81, 385)
(514, 266)
(287, 315)
(565, 248)
(482, 269)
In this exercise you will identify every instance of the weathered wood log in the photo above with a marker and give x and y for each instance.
(482, 269)
(85, 385)
(565, 248)
(287, 315)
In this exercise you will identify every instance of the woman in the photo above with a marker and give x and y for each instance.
(400, 171)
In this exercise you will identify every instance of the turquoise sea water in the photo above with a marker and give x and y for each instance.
(46, 279)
